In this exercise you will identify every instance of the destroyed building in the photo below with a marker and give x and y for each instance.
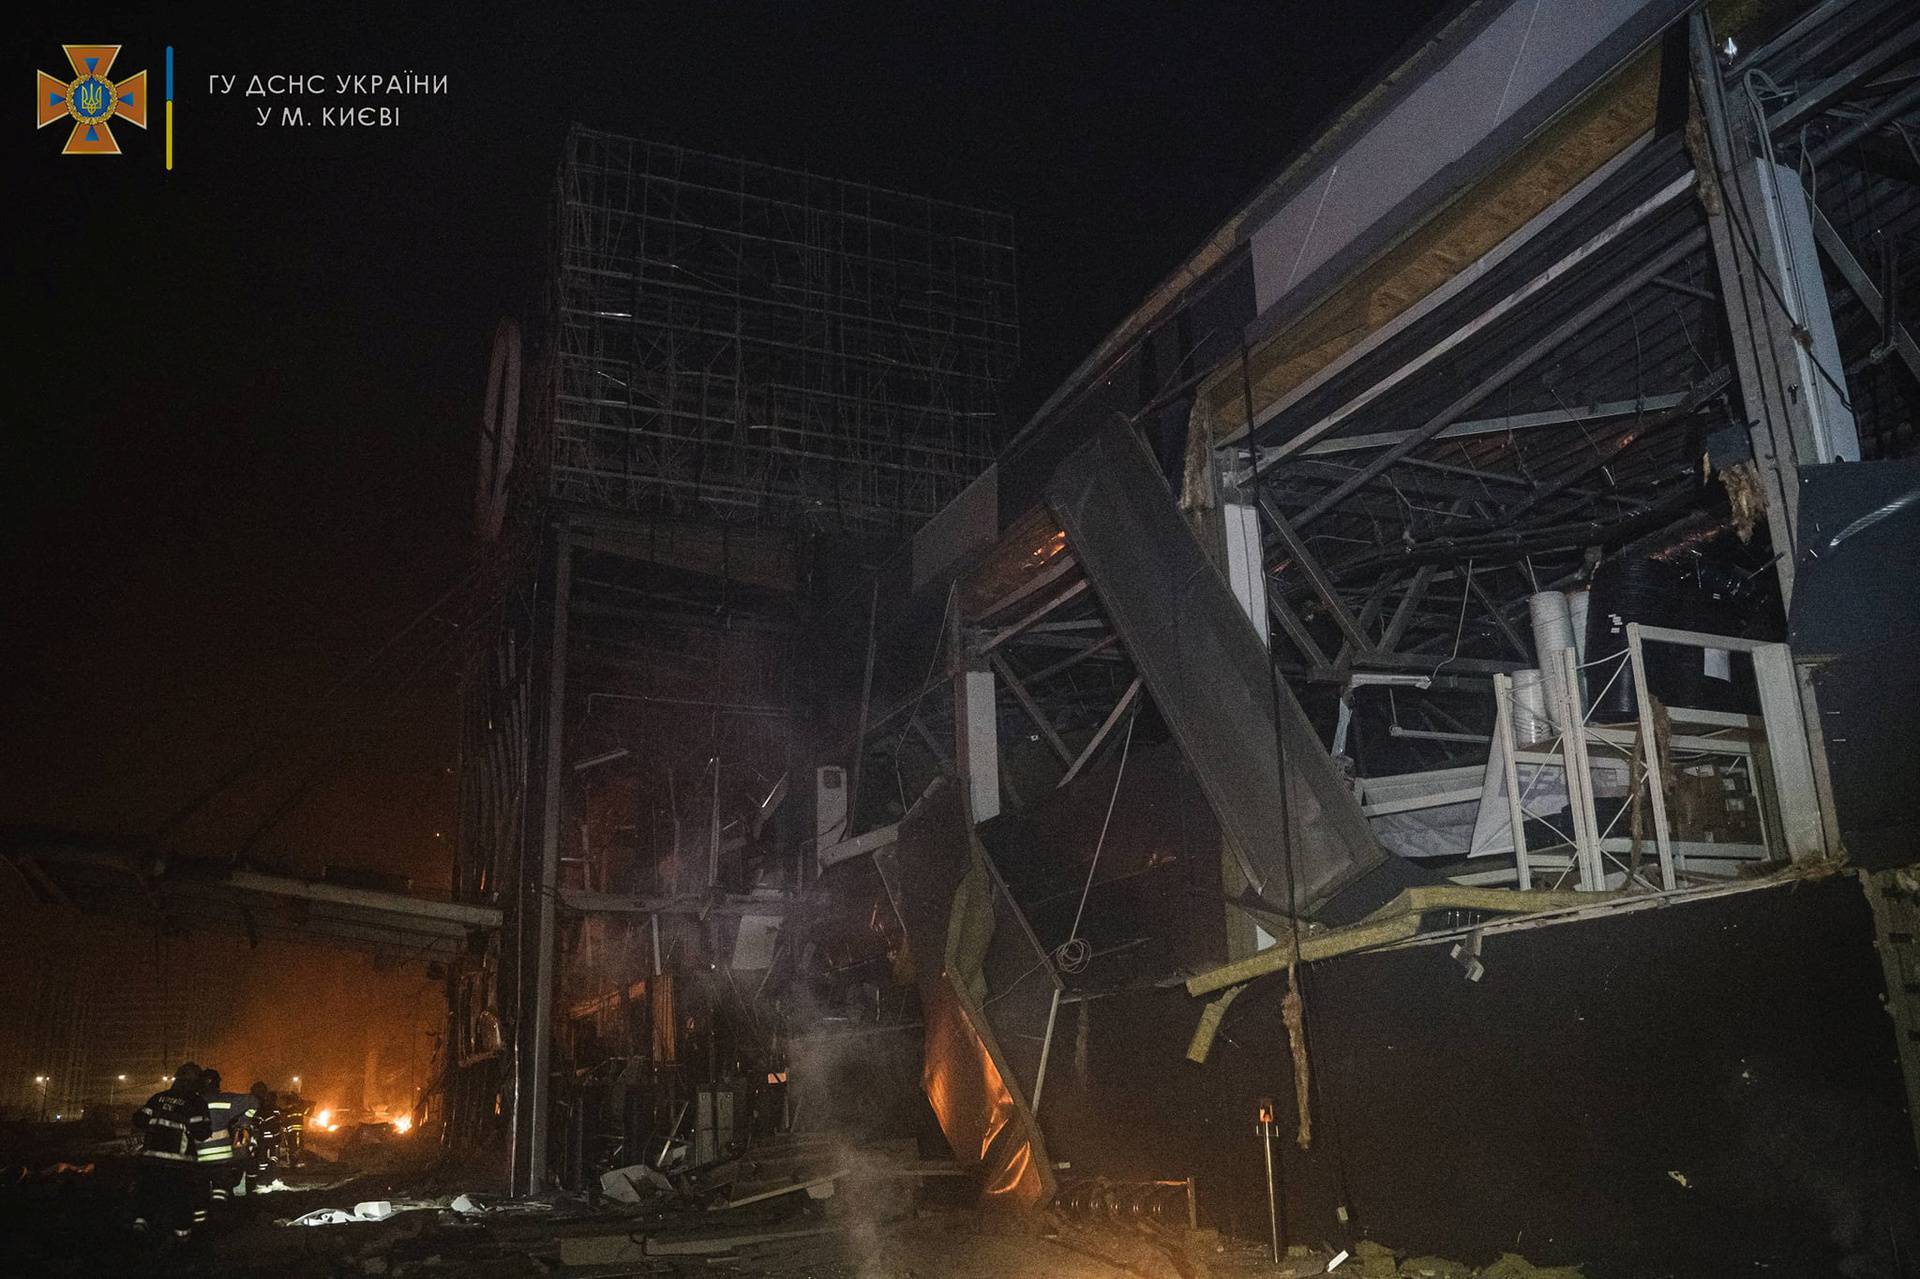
(1409, 741)
(1464, 597)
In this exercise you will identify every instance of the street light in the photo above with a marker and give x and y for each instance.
(42, 1081)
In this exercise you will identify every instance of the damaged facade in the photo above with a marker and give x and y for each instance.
(1439, 664)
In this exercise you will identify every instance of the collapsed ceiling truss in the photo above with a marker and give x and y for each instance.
(1559, 406)
(1572, 397)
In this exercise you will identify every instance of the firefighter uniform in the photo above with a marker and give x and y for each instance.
(170, 1187)
(218, 1155)
(293, 1111)
(266, 1135)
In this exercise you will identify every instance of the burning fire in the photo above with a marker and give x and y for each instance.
(403, 1125)
(323, 1120)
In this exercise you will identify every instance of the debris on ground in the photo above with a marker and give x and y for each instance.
(798, 1208)
(1372, 1260)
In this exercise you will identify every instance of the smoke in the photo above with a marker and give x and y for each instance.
(856, 1087)
(356, 1033)
(877, 1190)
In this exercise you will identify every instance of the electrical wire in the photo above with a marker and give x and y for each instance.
(369, 667)
(1074, 953)
(1460, 626)
(328, 766)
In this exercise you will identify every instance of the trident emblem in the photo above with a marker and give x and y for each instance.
(91, 100)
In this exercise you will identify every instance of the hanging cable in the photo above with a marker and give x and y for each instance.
(1074, 953)
(1297, 1005)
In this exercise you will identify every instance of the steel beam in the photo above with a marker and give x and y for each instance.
(1500, 425)
(1864, 288)
(533, 1045)
(931, 742)
(1748, 254)
(1500, 622)
(702, 906)
(1715, 382)
(1316, 575)
(1368, 617)
(1816, 98)
(1100, 734)
(1676, 251)
(1032, 708)
(1890, 109)
(1404, 612)
(1094, 649)
(1296, 628)
(1005, 633)
(1432, 665)
(1455, 285)
(1814, 32)
(1061, 566)
(423, 909)
(1540, 283)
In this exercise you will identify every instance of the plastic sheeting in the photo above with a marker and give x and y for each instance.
(984, 1003)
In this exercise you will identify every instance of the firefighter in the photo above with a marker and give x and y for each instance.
(293, 1111)
(226, 1111)
(170, 1186)
(266, 1135)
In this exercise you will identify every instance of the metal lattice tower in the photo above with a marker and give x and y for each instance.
(757, 345)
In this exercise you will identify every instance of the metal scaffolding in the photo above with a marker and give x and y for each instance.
(108, 1029)
(751, 344)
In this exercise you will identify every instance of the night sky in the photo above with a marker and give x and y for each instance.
(242, 398)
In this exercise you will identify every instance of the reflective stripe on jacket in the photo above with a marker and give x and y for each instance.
(171, 1126)
(227, 1111)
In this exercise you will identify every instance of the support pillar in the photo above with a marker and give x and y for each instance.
(532, 1105)
(1785, 355)
(1246, 562)
(1760, 220)
(976, 728)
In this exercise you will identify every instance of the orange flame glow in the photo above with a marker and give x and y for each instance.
(403, 1125)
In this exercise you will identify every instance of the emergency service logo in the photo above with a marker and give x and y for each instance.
(91, 100)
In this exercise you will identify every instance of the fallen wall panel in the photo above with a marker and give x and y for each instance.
(1208, 673)
(986, 990)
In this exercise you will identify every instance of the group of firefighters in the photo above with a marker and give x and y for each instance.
(200, 1146)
